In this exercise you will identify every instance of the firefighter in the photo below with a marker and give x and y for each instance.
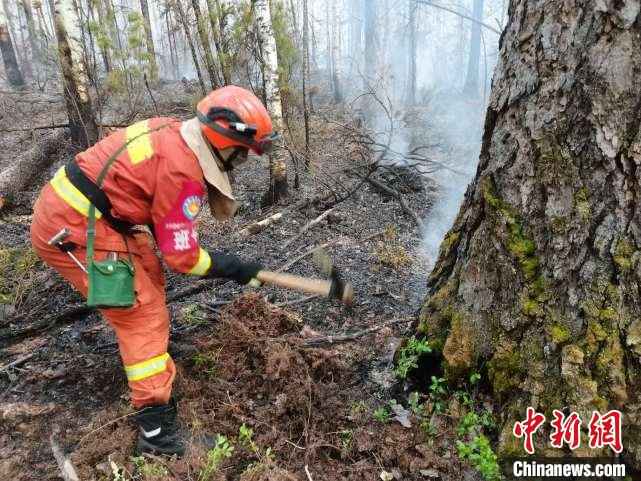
(165, 170)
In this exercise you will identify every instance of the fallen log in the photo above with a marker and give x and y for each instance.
(17, 178)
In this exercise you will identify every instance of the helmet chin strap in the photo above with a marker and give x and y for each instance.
(227, 162)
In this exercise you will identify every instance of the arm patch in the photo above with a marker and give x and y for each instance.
(176, 233)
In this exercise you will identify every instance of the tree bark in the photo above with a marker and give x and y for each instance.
(204, 41)
(277, 168)
(103, 43)
(305, 77)
(31, 29)
(471, 87)
(537, 283)
(217, 14)
(183, 19)
(151, 50)
(11, 68)
(82, 122)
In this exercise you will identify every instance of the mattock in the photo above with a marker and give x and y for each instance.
(334, 288)
(58, 241)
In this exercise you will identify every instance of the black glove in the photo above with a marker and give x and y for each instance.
(231, 267)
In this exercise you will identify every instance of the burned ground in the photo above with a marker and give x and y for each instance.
(241, 354)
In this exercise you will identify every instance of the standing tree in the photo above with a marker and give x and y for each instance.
(31, 29)
(412, 8)
(537, 282)
(14, 76)
(217, 14)
(371, 42)
(186, 28)
(277, 168)
(82, 122)
(471, 87)
(204, 41)
(151, 50)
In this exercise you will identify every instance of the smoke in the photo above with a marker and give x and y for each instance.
(457, 123)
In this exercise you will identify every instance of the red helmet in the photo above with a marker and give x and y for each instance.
(234, 117)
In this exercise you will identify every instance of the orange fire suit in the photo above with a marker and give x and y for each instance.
(156, 180)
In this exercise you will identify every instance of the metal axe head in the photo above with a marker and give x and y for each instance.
(340, 289)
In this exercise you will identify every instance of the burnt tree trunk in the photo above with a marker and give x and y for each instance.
(537, 283)
(82, 122)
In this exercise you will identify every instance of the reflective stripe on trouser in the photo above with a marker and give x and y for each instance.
(142, 330)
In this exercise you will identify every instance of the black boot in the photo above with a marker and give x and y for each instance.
(159, 432)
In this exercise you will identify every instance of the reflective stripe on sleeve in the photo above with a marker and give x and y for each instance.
(70, 194)
(148, 368)
(140, 148)
(203, 264)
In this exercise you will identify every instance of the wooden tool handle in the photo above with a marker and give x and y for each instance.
(313, 286)
(325, 288)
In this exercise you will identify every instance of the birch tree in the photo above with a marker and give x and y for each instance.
(82, 123)
(11, 68)
(537, 283)
(151, 50)
(277, 168)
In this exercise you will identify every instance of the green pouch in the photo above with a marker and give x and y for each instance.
(111, 283)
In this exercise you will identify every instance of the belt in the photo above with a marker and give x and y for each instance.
(96, 196)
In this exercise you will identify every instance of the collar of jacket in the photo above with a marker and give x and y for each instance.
(222, 203)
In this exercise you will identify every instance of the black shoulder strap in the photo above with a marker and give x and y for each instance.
(96, 196)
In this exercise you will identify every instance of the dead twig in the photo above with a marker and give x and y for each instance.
(308, 226)
(17, 362)
(37, 127)
(301, 300)
(256, 227)
(67, 469)
(153, 100)
(309, 476)
(320, 341)
(397, 195)
(308, 253)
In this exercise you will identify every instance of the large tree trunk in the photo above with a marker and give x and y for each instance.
(537, 283)
(82, 122)
(151, 50)
(471, 87)
(14, 76)
(204, 41)
(277, 167)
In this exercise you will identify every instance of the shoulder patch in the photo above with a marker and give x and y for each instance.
(176, 232)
